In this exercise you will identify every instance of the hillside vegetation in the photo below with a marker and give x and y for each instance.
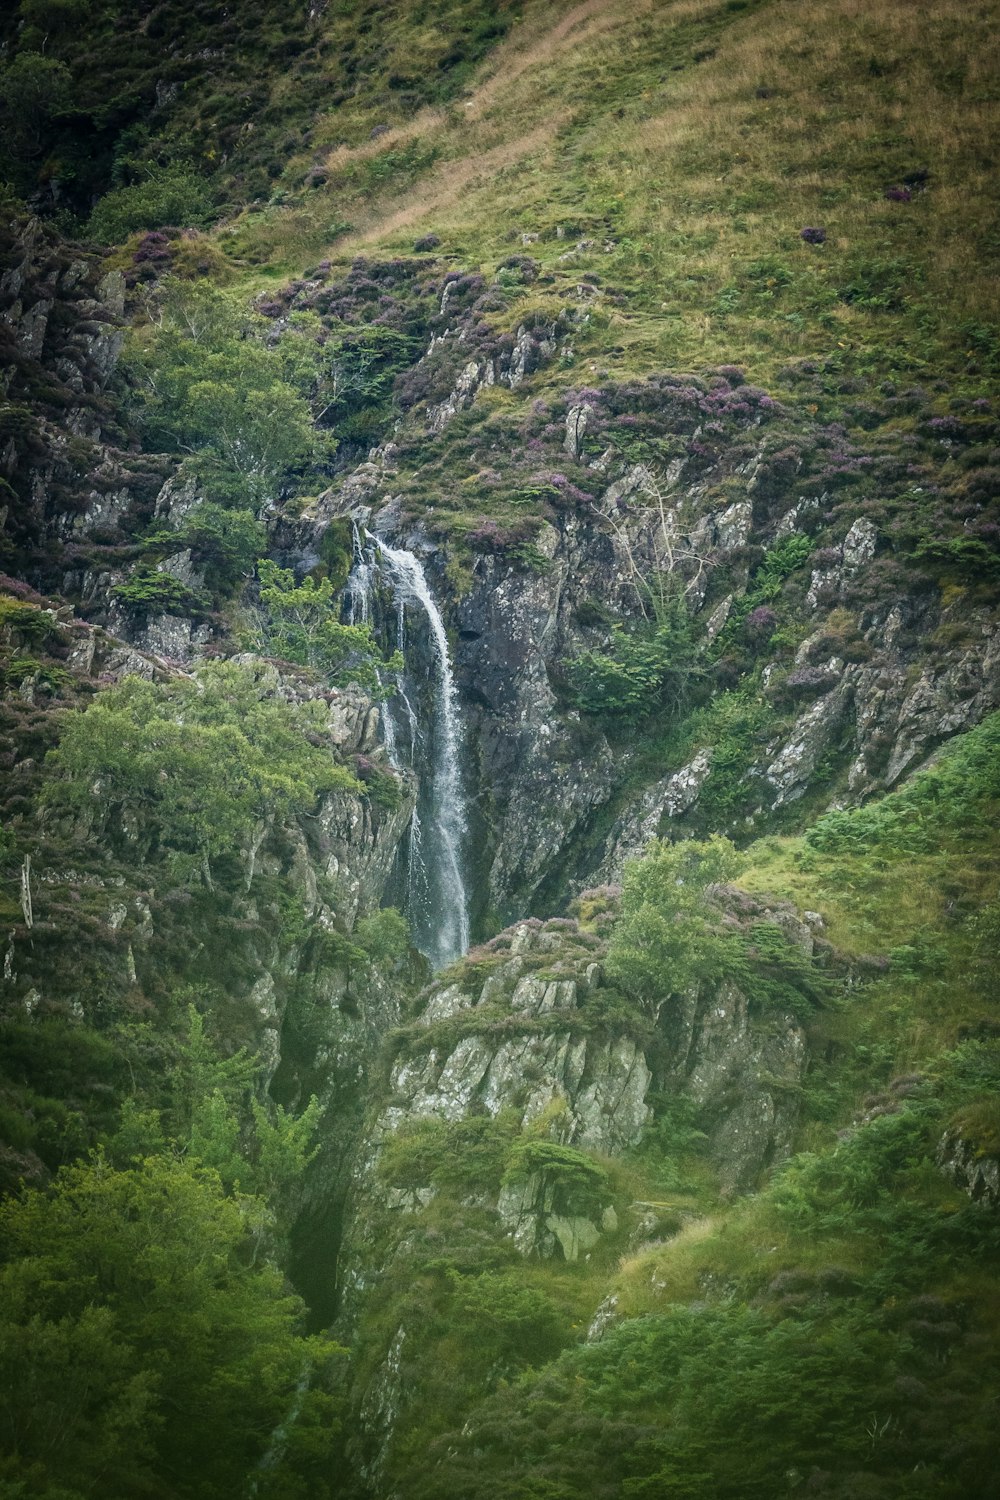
(666, 335)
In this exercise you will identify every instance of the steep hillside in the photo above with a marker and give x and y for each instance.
(499, 703)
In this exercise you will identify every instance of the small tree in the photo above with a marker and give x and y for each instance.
(34, 90)
(209, 384)
(668, 937)
(139, 1339)
(197, 764)
(301, 625)
(226, 543)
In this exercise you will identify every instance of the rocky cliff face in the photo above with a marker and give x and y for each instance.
(69, 484)
(854, 678)
(824, 666)
(528, 1039)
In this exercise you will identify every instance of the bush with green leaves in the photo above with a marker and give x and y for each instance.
(140, 1338)
(28, 623)
(641, 673)
(302, 625)
(667, 938)
(384, 936)
(516, 1322)
(168, 195)
(152, 591)
(579, 1184)
(673, 935)
(456, 1156)
(208, 383)
(35, 91)
(225, 544)
(197, 765)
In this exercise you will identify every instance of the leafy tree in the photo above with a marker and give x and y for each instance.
(641, 673)
(665, 939)
(197, 764)
(208, 384)
(385, 935)
(34, 90)
(169, 195)
(139, 1342)
(225, 543)
(672, 936)
(148, 591)
(302, 626)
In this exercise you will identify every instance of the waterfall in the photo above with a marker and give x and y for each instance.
(425, 728)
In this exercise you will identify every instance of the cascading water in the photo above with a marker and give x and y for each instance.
(430, 742)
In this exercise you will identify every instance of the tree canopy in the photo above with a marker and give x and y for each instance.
(197, 764)
(302, 625)
(141, 1344)
(208, 383)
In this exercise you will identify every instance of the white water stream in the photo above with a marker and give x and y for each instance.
(436, 895)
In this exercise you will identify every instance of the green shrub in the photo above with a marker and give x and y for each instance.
(170, 195)
(665, 939)
(33, 625)
(302, 625)
(457, 1156)
(642, 673)
(581, 1185)
(151, 592)
(224, 543)
(34, 92)
(384, 935)
(672, 935)
(198, 764)
(507, 1317)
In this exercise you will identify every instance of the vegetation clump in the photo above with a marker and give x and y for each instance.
(681, 928)
(194, 766)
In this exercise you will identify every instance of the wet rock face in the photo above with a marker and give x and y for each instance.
(543, 780)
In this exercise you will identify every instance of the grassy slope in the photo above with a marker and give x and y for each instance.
(759, 1336)
(698, 140)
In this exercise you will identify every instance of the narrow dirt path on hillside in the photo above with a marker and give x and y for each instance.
(519, 53)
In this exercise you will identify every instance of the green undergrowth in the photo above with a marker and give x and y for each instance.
(151, 1262)
(475, 1313)
(841, 1322)
(842, 1319)
(178, 113)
